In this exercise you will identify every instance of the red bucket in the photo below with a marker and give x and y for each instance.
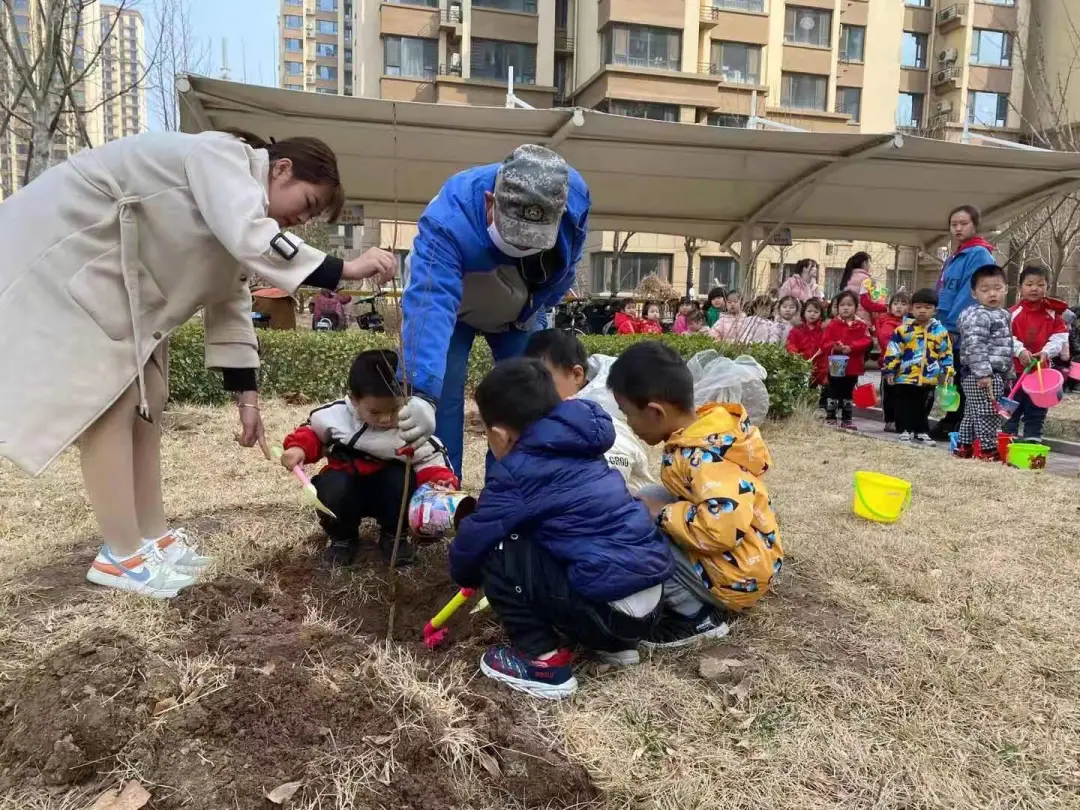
(865, 396)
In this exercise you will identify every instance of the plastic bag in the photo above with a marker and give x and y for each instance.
(721, 379)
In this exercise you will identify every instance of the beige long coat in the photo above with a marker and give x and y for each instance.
(104, 255)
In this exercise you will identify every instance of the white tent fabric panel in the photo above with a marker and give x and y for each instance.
(653, 176)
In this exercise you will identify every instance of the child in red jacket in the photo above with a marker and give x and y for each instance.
(847, 335)
(1038, 329)
(650, 324)
(884, 327)
(364, 475)
(805, 340)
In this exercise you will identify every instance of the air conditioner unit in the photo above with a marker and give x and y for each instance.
(455, 60)
(310, 26)
(949, 55)
(944, 106)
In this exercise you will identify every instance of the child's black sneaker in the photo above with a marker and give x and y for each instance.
(849, 426)
(339, 554)
(551, 678)
(675, 630)
(406, 553)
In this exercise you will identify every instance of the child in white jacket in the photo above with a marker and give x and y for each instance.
(579, 376)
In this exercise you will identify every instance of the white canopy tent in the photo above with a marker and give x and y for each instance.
(721, 184)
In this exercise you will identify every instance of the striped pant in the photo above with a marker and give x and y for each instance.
(980, 420)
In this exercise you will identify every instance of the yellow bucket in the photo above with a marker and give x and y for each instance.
(880, 497)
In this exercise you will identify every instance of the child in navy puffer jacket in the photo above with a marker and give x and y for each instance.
(557, 542)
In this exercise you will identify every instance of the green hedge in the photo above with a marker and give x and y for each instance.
(314, 365)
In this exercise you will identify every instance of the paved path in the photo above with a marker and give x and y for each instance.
(1056, 463)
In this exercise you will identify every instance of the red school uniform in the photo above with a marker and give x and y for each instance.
(625, 324)
(1040, 327)
(647, 327)
(805, 340)
(855, 335)
(884, 326)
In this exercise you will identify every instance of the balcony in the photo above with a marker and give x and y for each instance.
(951, 16)
(752, 6)
(947, 75)
(728, 76)
(564, 43)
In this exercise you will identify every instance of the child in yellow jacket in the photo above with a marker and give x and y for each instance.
(716, 509)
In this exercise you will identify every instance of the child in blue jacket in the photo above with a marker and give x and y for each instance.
(557, 542)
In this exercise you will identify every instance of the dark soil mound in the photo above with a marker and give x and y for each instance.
(279, 680)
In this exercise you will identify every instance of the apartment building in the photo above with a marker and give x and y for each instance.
(106, 112)
(938, 67)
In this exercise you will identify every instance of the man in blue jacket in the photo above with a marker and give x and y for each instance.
(556, 540)
(498, 245)
(954, 291)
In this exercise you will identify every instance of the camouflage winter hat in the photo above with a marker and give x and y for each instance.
(530, 197)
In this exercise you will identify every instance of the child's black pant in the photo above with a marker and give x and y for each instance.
(529, 591)
(888, 402)
(352, 497)
(911, 405)
(840, 392)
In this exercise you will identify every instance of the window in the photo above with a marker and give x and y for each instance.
(294, 45)
(803, 91)
(326, 73)
(326, 5)
(326, 91)
(849, 100)
(325, 49)
(917, 3)
(633, 267)
(994, 2)
(988, 109)
(294, 2)
(736, 62)
(326, 26)
(832, 282)
(909, 110)
(411, 56)
(492, 60)
(641, 109)
(852, 43)
(22, 5)
(913, 51)
(525, 6)
(717, 271)
(22, 22)
(293, 68)
(642, 46)
(740, 5)
(727, 120)
(991, 48)
(294, 21)
(808, 26)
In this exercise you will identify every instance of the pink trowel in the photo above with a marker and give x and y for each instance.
(311, 497)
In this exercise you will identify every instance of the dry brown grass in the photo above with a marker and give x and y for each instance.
(929, 664)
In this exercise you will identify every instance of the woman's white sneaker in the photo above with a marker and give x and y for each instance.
(179, 552)
(144, 572)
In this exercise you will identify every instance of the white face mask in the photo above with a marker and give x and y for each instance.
(507, 248)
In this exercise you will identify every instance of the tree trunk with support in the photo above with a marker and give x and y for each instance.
(616, 259)
(691, 244)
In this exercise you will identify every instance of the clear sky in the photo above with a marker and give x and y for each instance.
(250, 29)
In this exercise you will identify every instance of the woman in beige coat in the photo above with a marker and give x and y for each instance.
(104, 256)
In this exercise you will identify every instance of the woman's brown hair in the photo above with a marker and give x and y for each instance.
(312, 161)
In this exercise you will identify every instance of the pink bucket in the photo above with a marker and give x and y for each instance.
(1074, 370)
(1049, 393)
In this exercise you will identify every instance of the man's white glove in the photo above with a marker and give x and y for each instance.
(416, 421)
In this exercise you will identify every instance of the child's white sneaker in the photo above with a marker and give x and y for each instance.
(144, 572)
(925, 440)
(906, 437)
(180, 552)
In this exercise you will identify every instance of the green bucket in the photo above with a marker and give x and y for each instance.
(948, 398)
(1028, 455)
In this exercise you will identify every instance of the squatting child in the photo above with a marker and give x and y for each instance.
(918, 358)
(718, 514)
(564, 553)
(1038, 329)
(363, 476)
(986, 353)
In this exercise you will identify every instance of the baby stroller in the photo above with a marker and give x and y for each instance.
(324, 325)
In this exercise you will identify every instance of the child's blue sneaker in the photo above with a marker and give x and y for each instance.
(551, 678)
